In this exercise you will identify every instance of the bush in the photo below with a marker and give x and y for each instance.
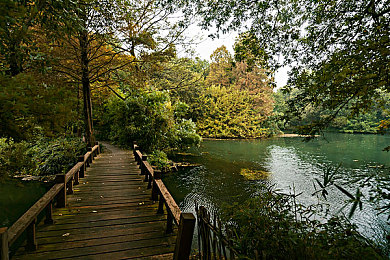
(43, 157)
(150, 119)
(160, 160)
(279, 228)
(14, 158)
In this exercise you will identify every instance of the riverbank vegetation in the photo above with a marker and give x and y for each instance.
(276, 226)
(40, 157)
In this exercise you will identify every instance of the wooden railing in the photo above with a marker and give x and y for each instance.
(57, 193)
(184, 221)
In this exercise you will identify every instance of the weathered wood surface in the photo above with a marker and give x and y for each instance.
(110, 215)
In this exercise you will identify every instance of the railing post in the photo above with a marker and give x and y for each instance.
(49, 213)
(150, 180)
(184, 236)
(82, 169)
(70, 186)
(135, 149)
(98, 149)
(76, 178)
(160, 209)
(157, 176)
(89, 159)
(61, 199)
(143, 168)
(169, 222)
(4, 254)
(31, 238)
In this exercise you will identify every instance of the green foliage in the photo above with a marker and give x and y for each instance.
(160, 160)
(227, 98)
(277, 227)
(368, 122)
(229, 113)
(56, 156)
(339, 50)
(42, 157)
(30, 107)
(13, 158)
(152, 120)
(248, 48)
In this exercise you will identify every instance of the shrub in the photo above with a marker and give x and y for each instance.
(43, 157)
(150, 119)
(159, 159)
(278, 228)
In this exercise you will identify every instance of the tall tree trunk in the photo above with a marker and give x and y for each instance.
(14, 60)
(88, 123)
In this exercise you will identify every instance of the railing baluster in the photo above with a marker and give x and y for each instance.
(61, 198)
(31, 237)
(49, 213)
(89, 159)
(161, 203)
(169, 223)
(70, 186)
(76, 178)
(157, 176)
(82, 169)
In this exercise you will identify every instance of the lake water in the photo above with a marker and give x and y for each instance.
(16, 197)
(290, 164)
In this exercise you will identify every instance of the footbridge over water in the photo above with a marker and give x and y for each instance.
(114, 208)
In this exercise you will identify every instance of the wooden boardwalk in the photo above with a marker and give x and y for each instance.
(109, 216)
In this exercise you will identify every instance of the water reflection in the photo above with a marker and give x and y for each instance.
(292, 164)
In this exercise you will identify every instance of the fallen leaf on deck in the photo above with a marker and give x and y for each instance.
(66, 234)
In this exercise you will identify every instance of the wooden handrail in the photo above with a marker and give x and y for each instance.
(28, 221)
(184, 221)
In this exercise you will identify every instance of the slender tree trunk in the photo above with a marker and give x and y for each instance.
(88, 123)
(14, 60)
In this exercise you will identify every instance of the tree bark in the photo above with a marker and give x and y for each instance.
(88, 123)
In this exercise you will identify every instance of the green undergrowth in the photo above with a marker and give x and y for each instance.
(275, 226)
(40, 157)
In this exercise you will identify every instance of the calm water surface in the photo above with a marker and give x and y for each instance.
(16, 197)
(292, 165)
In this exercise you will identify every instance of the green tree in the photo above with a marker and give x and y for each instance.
(20, 20)
(339, 50)
(115, 45)
(220, 67)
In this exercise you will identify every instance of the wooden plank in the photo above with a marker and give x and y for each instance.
(142, 228)
(102, 239)
(24, 221)
(103, 223)
(109, 215)
(129, 248)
